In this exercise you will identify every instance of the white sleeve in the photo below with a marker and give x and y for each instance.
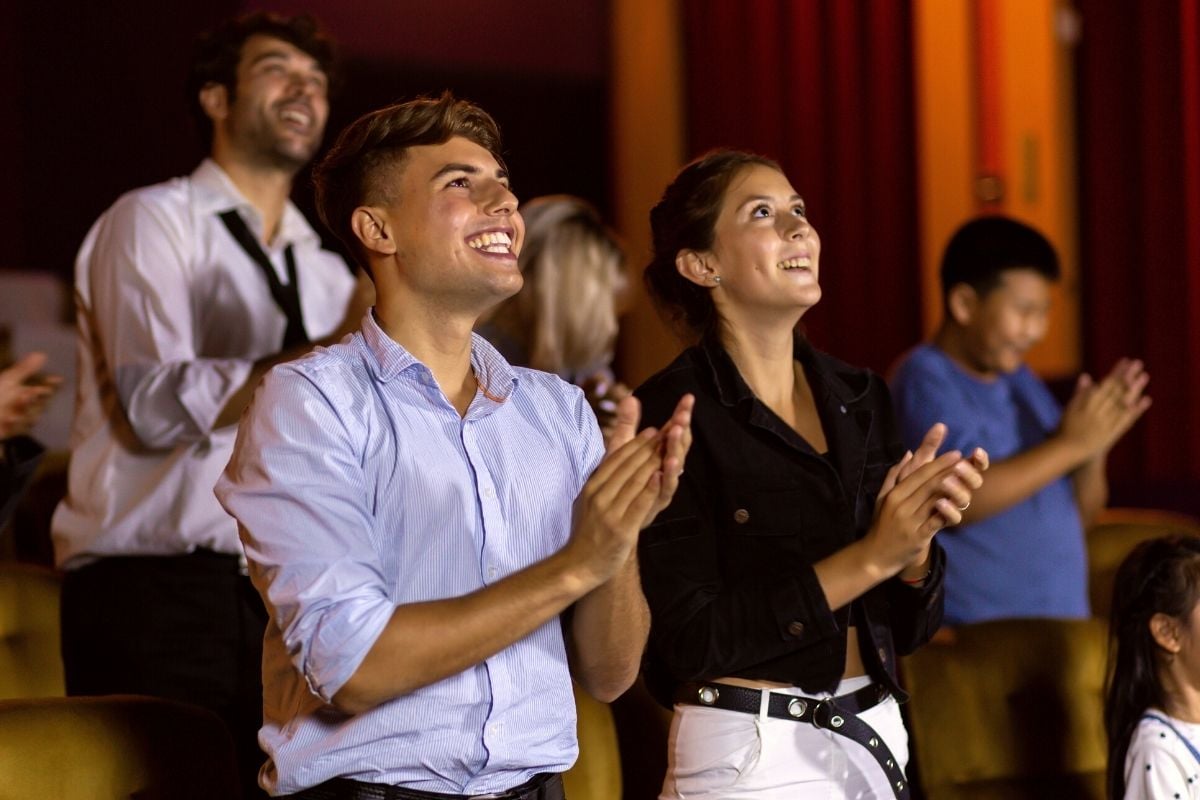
(136, 263)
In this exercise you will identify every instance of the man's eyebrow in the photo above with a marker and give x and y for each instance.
(268, 54)
(470, 169)
(280, 55)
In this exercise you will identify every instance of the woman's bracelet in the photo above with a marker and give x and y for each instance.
(918, 581)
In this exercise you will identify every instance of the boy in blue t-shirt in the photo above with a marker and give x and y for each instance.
(1019, 551)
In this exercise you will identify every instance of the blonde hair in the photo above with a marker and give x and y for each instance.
(565, 316)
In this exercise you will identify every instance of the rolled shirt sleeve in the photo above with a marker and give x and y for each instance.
(295, 485)
(141, 290)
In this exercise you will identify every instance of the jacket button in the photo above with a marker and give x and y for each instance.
(741, 516)
(796, 628)
(883, 655)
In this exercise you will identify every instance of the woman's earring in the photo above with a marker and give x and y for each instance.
(716, 280)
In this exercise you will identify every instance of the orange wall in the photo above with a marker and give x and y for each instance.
(648, 145)
(994, 89)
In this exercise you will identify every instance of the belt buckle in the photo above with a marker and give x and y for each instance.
(826, 705)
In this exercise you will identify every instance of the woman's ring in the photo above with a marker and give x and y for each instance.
(964, 508)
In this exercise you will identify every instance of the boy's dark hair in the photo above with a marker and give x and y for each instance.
(354, 170)
(982, 249)
(218, 52)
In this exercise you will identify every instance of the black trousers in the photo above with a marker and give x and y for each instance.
(186, 628)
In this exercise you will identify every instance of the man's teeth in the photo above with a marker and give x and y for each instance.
(299, 117)
(799, 262)
(491, 242)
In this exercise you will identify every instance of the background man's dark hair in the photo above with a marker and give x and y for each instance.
(982, 249)
(360, 166)
(218, 52)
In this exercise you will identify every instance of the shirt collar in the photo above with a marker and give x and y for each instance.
(844, 383)
(216, 193)
(497, 379)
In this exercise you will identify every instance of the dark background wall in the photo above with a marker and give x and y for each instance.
(95, 103)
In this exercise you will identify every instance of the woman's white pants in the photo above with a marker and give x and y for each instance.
(715, 754)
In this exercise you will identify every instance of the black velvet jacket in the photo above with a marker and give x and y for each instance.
(727, 568)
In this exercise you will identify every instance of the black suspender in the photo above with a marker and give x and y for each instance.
(286, 297)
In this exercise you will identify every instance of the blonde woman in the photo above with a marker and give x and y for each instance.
(564, 319)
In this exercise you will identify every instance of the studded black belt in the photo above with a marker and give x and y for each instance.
(837, 714)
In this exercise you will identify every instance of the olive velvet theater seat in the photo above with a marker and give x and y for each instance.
(1114, 534)
(1010, 709)
(119, 746)
(597, 773)
(30, 661)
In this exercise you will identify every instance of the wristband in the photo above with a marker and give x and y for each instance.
(918, 581)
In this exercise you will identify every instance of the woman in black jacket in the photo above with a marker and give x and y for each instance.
(797, 557)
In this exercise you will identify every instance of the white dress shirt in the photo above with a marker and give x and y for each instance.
(172, 314)
(360, 488)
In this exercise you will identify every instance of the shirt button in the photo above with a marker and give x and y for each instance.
(489, 493)
(796, 628)
(741, 516)
(491, 572)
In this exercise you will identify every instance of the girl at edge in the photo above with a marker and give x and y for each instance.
(1152, 706)
(797, 557)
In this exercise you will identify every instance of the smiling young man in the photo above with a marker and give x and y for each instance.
(188, 291)
(418, 514)
(1020, 549)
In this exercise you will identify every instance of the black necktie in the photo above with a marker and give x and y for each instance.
(286, 297)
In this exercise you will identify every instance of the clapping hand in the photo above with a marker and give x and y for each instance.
(24, 394)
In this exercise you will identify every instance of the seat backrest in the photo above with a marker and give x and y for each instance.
(1114, 534)
(643, 732)
(1010, 709)
(118, 746)
(596, 774)
(30, 651)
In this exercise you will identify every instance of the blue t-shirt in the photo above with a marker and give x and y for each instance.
(1028, 561)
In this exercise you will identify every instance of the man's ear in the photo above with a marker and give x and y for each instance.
(963, 303)
(371, 227)
(214, 99)
(1165, 630)
(697, 268)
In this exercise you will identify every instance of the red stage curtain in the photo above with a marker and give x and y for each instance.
(825, 87)
(1139, 122)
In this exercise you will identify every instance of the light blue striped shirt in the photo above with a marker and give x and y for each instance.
(359, 488)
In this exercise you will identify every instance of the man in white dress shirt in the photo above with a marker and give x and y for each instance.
(187, 292)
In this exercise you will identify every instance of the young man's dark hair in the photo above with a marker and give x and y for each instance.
(985, 247)
(357, 169)
(218, 52)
